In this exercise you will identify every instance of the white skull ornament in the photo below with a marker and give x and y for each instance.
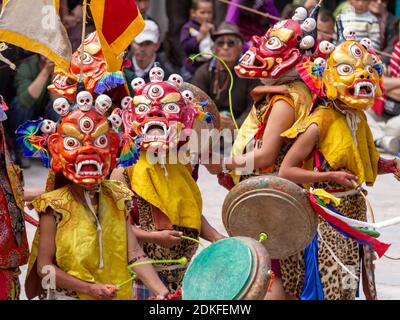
(307, 42)
(367, 43)
(300, 14)
(156, 74)
(48, 127)
(102, 104)
(176, 80)
(115, 120)
(349, 34)
(61, 106)
(188, 96)
(84, 100)
(309, 25)
(320, 62)
(137, 84)
(125, 102)
(326, 47)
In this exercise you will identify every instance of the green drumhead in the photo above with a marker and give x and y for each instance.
(219, 272)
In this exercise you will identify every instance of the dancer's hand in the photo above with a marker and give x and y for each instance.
(177, 295)
(102, 291)
(168, 238)
(214, 168)
(212, 162)
(226, 180)
(344, 178)
(218, 236)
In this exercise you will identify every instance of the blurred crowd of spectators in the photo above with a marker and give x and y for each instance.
(215, 27)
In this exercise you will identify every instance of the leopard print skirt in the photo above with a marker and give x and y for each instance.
(172, 277)
(337, 283)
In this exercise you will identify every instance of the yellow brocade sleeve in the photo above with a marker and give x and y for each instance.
(336, 143)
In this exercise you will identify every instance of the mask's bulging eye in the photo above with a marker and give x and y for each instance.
(356, 51)
(142, 108)
(86, 124)
(344, 69)
(171, 108)
(71, 143)
(273, 43)
(87, 58)
(101, 141)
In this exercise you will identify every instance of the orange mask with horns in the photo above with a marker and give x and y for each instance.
(96, 78)
(84, 148)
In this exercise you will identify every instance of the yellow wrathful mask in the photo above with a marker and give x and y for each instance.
(350, 76)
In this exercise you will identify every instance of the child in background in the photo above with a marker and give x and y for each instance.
(357, 17)
(196, 35)
(384, 116)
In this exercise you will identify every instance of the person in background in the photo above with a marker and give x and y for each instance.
(144, 7)
(220, 9)
(384, 116)
(71, 17)
(196, 36)
(32, 99)
(288, 11)
(325, 25)
(358, 18)
(214, 79)
(281, 4)
(178, 13)
(14, 247)
(250, 24)
(341, 8)
(389, 26)
(16, 55)
(144, 52)
(308, 4)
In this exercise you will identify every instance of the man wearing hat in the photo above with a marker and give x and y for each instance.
(144, 52)
(213, 78)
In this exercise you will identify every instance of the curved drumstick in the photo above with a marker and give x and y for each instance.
(183, 261)
(194, 240)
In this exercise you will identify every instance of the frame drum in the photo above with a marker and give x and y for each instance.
(230, 269)
(275, 206)
(201, 142)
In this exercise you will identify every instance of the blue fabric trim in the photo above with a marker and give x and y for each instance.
(312, 281)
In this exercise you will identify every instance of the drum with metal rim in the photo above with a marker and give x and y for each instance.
(272, 205)
(205, 135)
(230, 269)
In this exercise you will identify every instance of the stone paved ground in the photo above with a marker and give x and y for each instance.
(384, 197)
